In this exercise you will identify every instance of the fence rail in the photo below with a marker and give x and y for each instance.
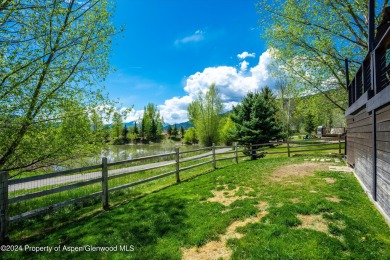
(13, 186)
(373, 75)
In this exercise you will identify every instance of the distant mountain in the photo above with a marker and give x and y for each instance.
(185, 125)
(128, 124)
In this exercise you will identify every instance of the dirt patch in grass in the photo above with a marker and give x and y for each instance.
(262, 206)
(218, 249)
(330, 180)
(333, 199)
(315, 222)
(319, 223)
(227, 197)
(297, 170)
(295, 200)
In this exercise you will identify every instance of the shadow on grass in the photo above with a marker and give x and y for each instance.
(81, 211)
(140, 223)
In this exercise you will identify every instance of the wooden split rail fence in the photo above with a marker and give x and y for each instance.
(16, 186)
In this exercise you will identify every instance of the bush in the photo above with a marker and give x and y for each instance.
(119, 141)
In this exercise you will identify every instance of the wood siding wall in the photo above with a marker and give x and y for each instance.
(359, 145)
(360, 151)
(383, 157)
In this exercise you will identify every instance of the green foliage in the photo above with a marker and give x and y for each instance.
(205, 112)
(101, 131)
(175, 131)
(309, 123)
(161, 223)
(152, 123)
(311, 39)
(136, 131)
(227, 130)
(48, 70)
(117, 123)
(322, 109)
(182, 131)
(255, 118)
(190, 136)
(169, 130)
(287, 102)
(125, 132)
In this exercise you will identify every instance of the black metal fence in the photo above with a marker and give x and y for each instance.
(376, 64)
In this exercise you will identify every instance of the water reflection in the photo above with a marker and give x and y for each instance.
(116, 153)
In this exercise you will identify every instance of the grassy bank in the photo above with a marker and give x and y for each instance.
(269, 208)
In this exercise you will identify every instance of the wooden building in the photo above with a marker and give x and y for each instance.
(368, 119)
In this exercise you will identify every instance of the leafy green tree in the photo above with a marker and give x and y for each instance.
(286, 101)
(309, 123)
(205, 112)
(227, 131)
(133, 136)
(152, 122)
(322, 110)
(255, 118)
(117, 124)
(52, 52)
(190, 136)
(106, 133)
(311, 39)
(97, 127)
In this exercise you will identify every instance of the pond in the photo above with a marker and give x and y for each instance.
(115, 153)
(127, 152)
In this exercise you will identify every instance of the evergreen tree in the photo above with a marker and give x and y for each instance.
(182, 131)
(169, 130)
(125, 132)
(255, 118)
(175, 131)
(143, 128)
(152, 122)
(135, 128)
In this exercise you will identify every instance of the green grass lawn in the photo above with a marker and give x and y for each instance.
(245, 211)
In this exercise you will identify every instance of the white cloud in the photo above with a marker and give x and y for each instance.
(196, 37)
(244, 65)
(134, 115)
(174, 110)
(232, 84)
(245, 55)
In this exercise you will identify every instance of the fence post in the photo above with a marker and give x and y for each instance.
(288, 147)
(4, 207)
(177, 164)
(214, 161)
(339, 144)
(236, 152)
(345, 145)
(105, 183)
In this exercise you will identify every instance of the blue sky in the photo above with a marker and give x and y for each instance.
(171, 50)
